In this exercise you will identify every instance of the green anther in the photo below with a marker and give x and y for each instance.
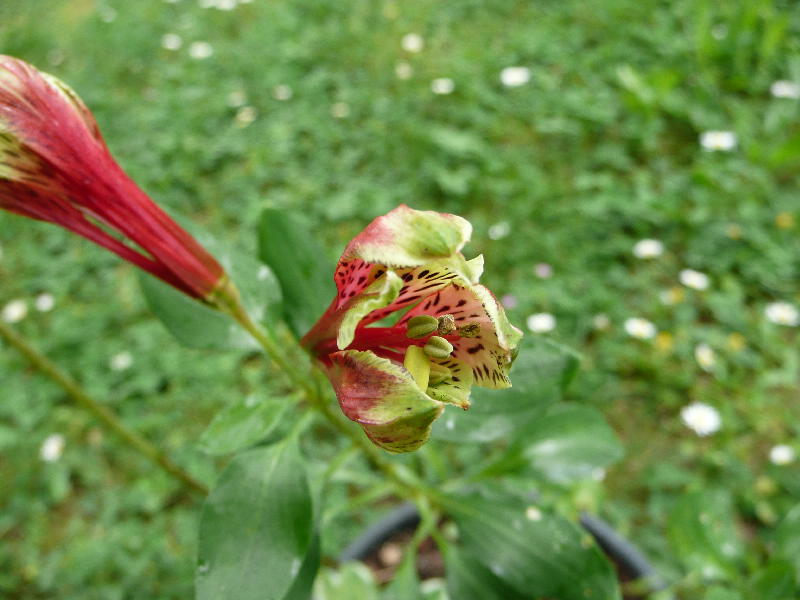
(421, 326)
(470, 330)
(438, 347)
(447, 325)
(438, 374)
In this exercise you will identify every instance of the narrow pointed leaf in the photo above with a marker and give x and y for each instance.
(540, 374)
(541, 557)
(569, 443)
(243, 423)
(299, 262)
(256, 527)
(303, 584)
(196, 325)
(468, 578)
(405, 583)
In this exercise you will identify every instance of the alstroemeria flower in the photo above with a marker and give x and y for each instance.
(55, 167)
(410, 329)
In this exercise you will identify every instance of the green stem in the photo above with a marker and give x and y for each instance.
(279, 356)
(406, 481)
(102, 412)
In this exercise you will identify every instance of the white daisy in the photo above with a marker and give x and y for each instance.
(121, 361)
(282, 92)
(701, 418)
(781, 454)
(499, 230)
(200, 50)
(532, 513)
(782, 313)
(785, 89)
(412, 42)
(44, 302)
(694, 279)
(515, 76)
(601, 321)
(15, 311)
(171, 41)
(705, 356)
(245, 115)
(52, 447)
(648, 248)
(403, 70)
(443, 86)
(718, 141)
(639, 328)
(541, 322)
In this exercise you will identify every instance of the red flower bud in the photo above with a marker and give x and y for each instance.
(55, 167)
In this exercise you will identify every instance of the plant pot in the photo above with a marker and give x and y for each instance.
(398, 525)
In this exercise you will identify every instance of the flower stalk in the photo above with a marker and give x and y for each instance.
(100, 411)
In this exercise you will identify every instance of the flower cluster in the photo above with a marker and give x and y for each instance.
(410, 329)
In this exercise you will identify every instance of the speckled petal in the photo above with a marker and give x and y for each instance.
(489, 352)
(384, 399)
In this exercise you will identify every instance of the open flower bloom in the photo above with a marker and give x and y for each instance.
(410, 329)
(55, 167)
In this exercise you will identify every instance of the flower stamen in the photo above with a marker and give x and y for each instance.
(437, 347)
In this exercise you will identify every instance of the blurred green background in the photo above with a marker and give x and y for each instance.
(220, 108)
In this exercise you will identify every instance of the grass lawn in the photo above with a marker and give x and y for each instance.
(326, 109)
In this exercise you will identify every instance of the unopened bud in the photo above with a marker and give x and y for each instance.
(469, 330)
(421, 325)
(438, 374)
(447, 325)
(438, 347)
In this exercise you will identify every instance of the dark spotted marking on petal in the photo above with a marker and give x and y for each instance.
(353, 276)
(416, 287)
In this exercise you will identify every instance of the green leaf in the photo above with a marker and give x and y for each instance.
(196, 325)
(301, 588)
(243, 423)
(539, 376)
(722, 593)
(352, 581)
(256, 527)
(192, 323)
(776, 581)
(569, 443)
(537, 555)
(786, 538)
(405, 583)
(702, 530)
(299, 262)
(467, 578)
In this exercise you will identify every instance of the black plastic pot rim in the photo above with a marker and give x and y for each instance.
(406, 517)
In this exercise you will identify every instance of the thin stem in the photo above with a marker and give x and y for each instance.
(102, 412)
(273, 350)
(406, 481)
